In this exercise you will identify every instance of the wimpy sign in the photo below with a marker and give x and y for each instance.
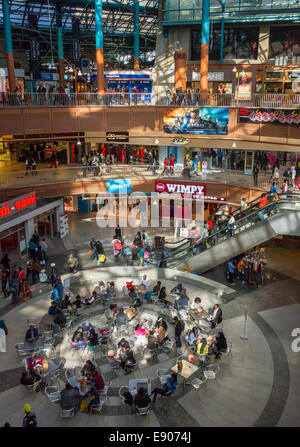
(185, 189)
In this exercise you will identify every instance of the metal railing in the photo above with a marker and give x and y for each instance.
(170, 99)
(15, 179)
(243, 220)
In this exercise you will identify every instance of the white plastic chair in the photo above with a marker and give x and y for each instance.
(163, 375)
(125, 389)
(105, 389)
(52, 393)
(197, 383)
(72, 373)
(143, 411)
(98, 407)
(211, 371)
(67, 413)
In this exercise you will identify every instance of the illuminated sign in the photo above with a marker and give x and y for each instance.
(16, 206)
(181, 140)
(186, 189)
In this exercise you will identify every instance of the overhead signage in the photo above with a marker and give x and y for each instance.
(127, 75)
(270, 116)
(187, 190)
(180, 140)
(122, 137)
(17, 206)
(212, 76)
(122, 186)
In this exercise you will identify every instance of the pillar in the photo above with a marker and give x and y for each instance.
(222, 33)
(204, 47)
(61, 66)
(99, 47)
(9, 47)
(180, 69)
(29, 229)
(136, 38)
(263, 44)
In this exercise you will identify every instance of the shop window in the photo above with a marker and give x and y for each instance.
(284, 41)
(239, 43)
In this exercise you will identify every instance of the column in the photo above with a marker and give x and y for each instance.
(9, 47)
(29, 229)
(263, 44)
(180, 69)
(99, 47)
(61, 67)
(222, 33)
(204, 47)
(136, 42)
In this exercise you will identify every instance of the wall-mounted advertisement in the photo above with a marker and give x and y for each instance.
(270, 116)
(119, 186)
(243, 86)
(208, 121)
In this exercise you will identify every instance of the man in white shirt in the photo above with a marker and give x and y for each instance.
(44, 248)
(145, 282)
(243, 204)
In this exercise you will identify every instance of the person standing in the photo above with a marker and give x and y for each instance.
(231, 271)
(178, 329)
(172, 162)
(4, 282)
(166, 167)
(255, 172)
(3, 334)
(44, 248)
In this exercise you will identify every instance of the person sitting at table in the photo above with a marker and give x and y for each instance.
(138, 303)
(183, 301)
(111, 312)
(160, 328)
(140, 329)
(202, 347)
(220, 345)
(191, 337)
(216, 316)
(142, 399)
(156, 288)
(177, 289)
(91, 299)
(168, 388)
(59, 320)
(95, 399)
(35, 365)
(78, 338)
(70, 398)
(121, 318)
(162, 294)
(87, 326)
(133, 295)
(123, 345)
(129, 285)
(77, 303)
(27, 380)
(66, 303)
(196, 306)
(130, 312)
(32, 334)
(145, 281)
(93, 339)
(111, 290)
(152, 342)
(128, 361)
(54, 308)
(88, 370)
(98, 382)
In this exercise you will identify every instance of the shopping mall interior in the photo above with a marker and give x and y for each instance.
(150, 215)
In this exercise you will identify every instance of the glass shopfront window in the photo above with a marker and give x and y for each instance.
(239, 43)
(284, 42)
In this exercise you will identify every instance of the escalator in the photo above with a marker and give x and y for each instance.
(252, 227)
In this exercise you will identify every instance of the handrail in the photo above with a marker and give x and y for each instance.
(222, 233)
(166, 98)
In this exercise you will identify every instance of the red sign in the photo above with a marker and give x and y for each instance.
(185, 189)
(17, 205)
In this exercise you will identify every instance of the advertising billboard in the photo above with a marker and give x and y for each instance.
(206, 120)
(243, 87)
(122, 186)
(279, 116)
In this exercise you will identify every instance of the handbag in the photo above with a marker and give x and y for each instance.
(84, 405)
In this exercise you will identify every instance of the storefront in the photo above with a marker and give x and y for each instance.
(22, 216)
(218, 81)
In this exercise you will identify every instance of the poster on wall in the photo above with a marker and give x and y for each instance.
(269, 116)
(243, 86)
(119, 186)
(208, 121)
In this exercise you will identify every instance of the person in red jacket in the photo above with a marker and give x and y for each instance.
(172, 162)
(103, 149)
(166, 166)
(142, 151)
(98, 381)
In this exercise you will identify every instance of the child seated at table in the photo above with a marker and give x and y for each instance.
(130, 312)
(35, 365)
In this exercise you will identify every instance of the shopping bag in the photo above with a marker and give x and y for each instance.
(84, 405)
